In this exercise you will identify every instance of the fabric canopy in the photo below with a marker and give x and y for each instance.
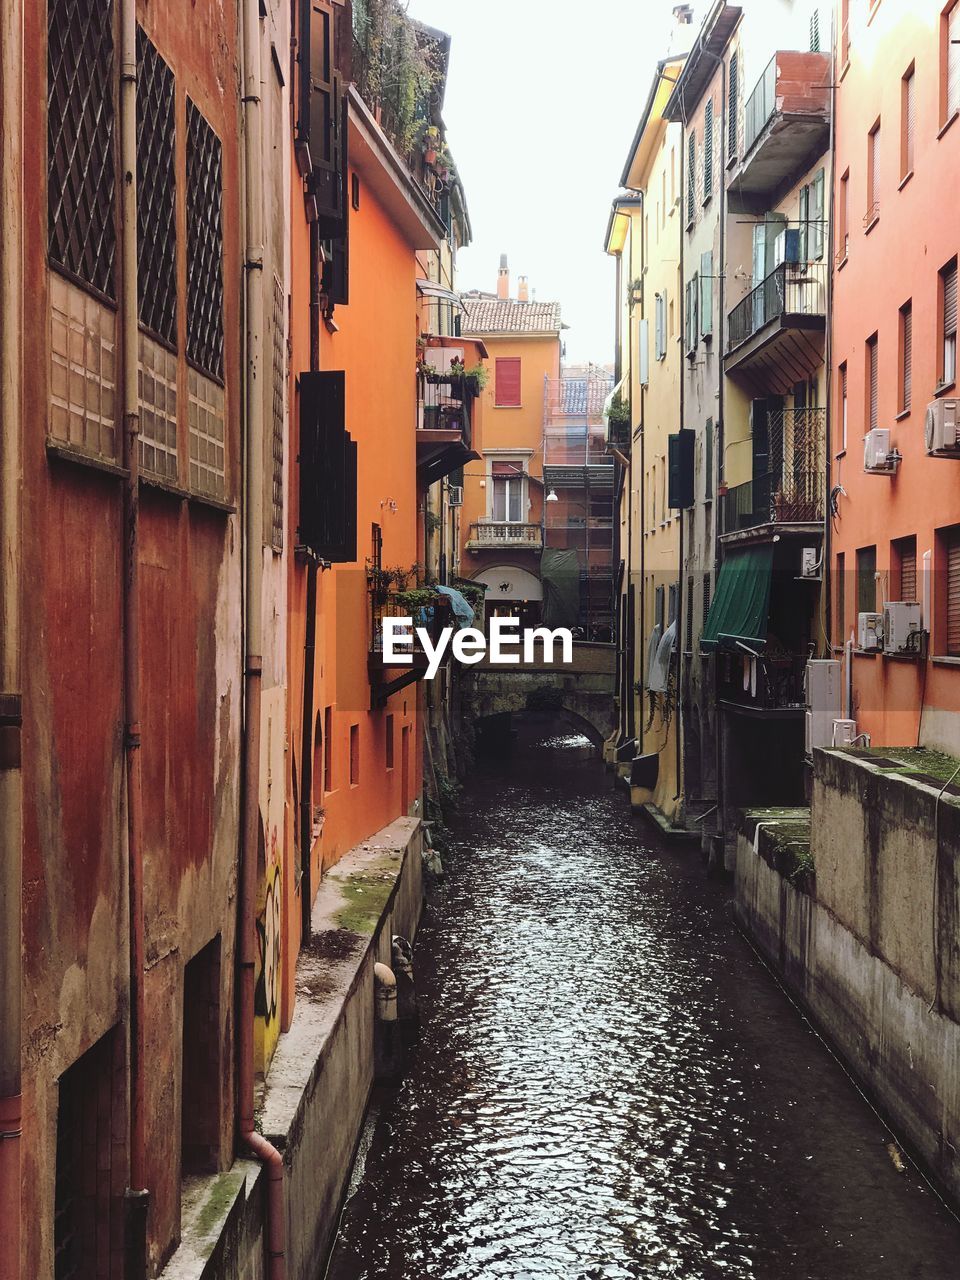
(741, 602)
(560, 572)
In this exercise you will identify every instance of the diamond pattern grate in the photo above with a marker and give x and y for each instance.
(279, 378)
(80, 130)
(204, 245)
(156, 225)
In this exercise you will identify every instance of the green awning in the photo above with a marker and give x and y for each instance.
(741, 601)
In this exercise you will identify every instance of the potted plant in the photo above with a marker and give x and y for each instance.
(431, 141)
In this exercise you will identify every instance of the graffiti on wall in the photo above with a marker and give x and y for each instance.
(268, 950)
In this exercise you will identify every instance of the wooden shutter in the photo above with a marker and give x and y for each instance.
(818, 233)
(325, 42)
(841, 598)
(906, 370)
(950, 300)
(867, 580)
(706, 597)
(908, 569)
(507, 382)
(706, 292)
(733, 89)
(873, 383)
(708, 460)
(644, 352)
(692, 173)
(708, 149)
(804, 223)
(688, 620)
(815, 31)
(660, 316)
(953, 593)
(909, 112)
(328, 470)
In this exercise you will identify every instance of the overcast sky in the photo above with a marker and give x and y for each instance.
(542, 102)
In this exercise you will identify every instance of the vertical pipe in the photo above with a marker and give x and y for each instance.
(253, 640)
(137, 1194)
(11, 780)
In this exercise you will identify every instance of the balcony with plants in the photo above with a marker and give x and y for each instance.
(786, 125)
(445, 412)
(399, 592)
(789, 486)
(619, 434)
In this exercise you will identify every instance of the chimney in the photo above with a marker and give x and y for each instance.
(683, 13)
(523, 290)
(503, 278)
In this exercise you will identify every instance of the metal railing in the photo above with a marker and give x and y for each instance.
(444, 401)
(759, 107)
(770, 682)
(432, 616)
(796, 288)
(505, 533)
(792, 487)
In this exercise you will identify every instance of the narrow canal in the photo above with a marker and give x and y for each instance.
(609, 1084)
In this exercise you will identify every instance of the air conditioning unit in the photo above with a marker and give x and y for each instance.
(870, 632)
(878, 458)
(823, 685)
(455, 495)
(942, 428)
(844, 732)
(902, 628)
(809, 562)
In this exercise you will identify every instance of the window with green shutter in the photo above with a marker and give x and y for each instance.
(708, 150)
(706, 294)
(708, 461)
(691, 175)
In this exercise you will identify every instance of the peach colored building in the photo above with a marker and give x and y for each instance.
(895, 536)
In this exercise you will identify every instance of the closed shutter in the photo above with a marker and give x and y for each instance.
(691, 174)
(706, 293)
(867, 580)
(688, 621)
(908, 569)
(817, 231)
(328, 470)
(804, 223)
(873, 174)
(644, 341)
(733, 90)
(326, 39)
(873, 383)
(708, 150)
(841, 598)
(953, 593)
(950, 300)
(706, 597)
(508, 382)
(659, 323)
(953, 60)
(708, 461)
(906, 373)
(909, 112)
(815, 31)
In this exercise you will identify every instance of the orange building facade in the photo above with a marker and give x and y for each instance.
(895, 534)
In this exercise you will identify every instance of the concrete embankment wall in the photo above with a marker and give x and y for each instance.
(315, 1098)
(860, 939)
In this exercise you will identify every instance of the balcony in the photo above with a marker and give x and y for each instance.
(444, 424)
(429, 610)
(786, 126)
(504, 535)
(792, 487)
(577, 457)
(762, 684)
(775, 334)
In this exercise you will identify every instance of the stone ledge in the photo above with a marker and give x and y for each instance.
(213, 1213)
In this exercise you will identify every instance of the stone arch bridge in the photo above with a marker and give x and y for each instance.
(583, 690)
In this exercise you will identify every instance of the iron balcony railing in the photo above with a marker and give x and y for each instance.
(498, 534)
(760, 106)
(766, 682)
(445, 401)
(433, 615)
(791, 486)
(797, 288)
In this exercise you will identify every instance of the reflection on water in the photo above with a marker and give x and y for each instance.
(609, 1084)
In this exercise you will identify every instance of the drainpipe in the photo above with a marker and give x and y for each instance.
(829, 242)
(681, 314)
(253, 662)
(11, 778)
(137, 1196)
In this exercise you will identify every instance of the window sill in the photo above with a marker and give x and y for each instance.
(866, 653)
(942, 388)
(904, 413)
(843, 262)
(946, 125)
(70, 453)
(731, 163)
(904, 180)
(946, 661)
(150, 481)
(508, 406)
(844, 69)
(689, 227)
(841, 454)
(873, 9)
(707, 199)
(215, 504)
(871, 224)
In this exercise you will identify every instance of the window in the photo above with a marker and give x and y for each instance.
(708, 150)
(355, 191)
(200, 1060)
(867, 580)
(871, 397)
(328, 754)
(905, 362)
(328, 470)
(873, 176)
(691, 176)
(658, 608)
(322, 113)
(815, 31)
(81, 226)
(842, 393)
(841, 603)
(507, 382)
(707, 585)
(354, 755)
(708, 461)
(844, 32)
(950, 63)
(156, 193)
(706, 294)
(908, 110)
(815, 236)
(733, 89)
(951, 549)
(948, 327)
(660, 325)
(905, 564)
(204, 246)
(389, 742)
(508, 489)
(843, 216)
(690, 318)
(688, 620)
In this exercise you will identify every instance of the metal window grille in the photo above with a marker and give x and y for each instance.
(708, 150)
(279, 379)
(204, 245)
(733, 89)
(156, 193)
(81, 227)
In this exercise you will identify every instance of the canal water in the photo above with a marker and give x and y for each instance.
(609, 1083)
